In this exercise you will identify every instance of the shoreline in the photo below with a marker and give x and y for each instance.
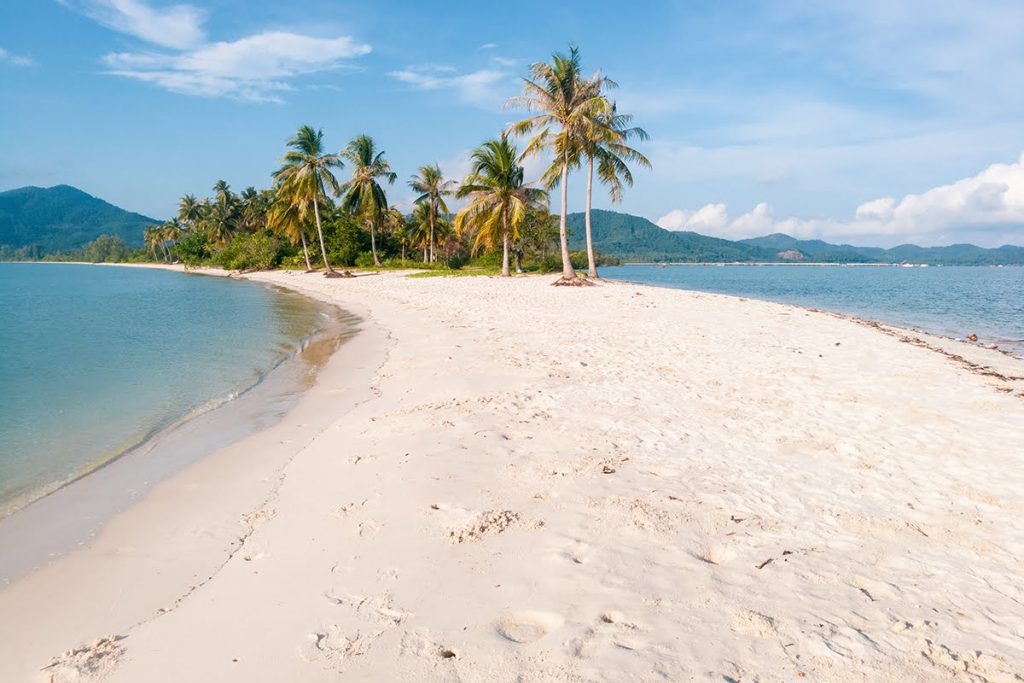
(48, 522)
(564, 531)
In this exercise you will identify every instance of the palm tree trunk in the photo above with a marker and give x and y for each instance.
(373, 244)
(504, 245)
(305, 250)
(591, 263)
(433, 247)
(519, 260)
(567, 270)
(320, 232)
(403, 250)
(167, 254)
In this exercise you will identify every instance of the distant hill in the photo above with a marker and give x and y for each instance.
(637, 239)
(632, 238)
(63, 218)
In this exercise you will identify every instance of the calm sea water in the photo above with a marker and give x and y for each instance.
(95, 360)
(950, 301)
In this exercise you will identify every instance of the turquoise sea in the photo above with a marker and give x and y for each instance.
(949, 301)
(96, 360)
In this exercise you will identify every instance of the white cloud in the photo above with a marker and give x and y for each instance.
(989, 206)
(176, 26)
(15, 60)
(256, 68)
(488, 46)
(476, 87)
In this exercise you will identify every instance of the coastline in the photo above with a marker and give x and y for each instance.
(467, 450)
(47, 522)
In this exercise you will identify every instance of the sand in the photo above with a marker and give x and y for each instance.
(506, 481)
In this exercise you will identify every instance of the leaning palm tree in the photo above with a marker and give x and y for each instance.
(152, 237)
(566, 105)
(306, 176)
(285, 218)
(498, 199)
(433, 188)
(363, 195)
(605, 140)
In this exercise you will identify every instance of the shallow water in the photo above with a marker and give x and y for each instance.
(949, 301)
(95, 361)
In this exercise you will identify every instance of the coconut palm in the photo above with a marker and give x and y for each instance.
(253, 209)
(605, 140)
(363, 195)
(219, 222)
(498, 199)
(396, 226)
(190, 210)
(285, 218)
(421, 222)
(566, 105)
(153, 238)
(306, 176)
(433, 188)
(222, 192)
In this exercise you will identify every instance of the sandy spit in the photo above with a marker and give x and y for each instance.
(505, 481)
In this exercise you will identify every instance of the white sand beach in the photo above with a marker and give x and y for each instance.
(500, 480)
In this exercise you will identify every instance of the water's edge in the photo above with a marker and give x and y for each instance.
(64, 515)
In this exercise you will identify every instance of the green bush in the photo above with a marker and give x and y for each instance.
(344, 240)
(364, 260)
(258, 251)
(192, 248)
(105, 249)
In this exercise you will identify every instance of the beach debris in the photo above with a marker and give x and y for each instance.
(972, 337)
(608, 470)
(766, 563)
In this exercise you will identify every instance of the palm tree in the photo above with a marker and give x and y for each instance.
(222, 191)
(498, 199)
(170, 231)
(190, 210)
(433, 188)
(306, 176)
(152, 236)
(567, 105)
(286, 218)
(219, 222)
(394, 223)
(363, 194)
(605, 140)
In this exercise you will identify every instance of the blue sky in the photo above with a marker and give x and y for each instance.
(865, 121)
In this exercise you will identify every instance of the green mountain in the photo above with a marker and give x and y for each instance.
(632, 238)
(63, 218)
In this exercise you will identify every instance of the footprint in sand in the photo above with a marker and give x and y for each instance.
(613, 628)
(529, 626)
(754, 624)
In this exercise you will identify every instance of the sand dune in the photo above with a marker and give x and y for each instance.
(506, 481)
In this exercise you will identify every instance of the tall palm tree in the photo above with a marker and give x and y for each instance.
(565, 104)
(498, 199)
(219, 222)
(433, 188)
(222, 192)
(285, 218)
(190, 210)
(363, 195)
(171, 232)
(421, 222)
(306, 176)
(605, 140)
